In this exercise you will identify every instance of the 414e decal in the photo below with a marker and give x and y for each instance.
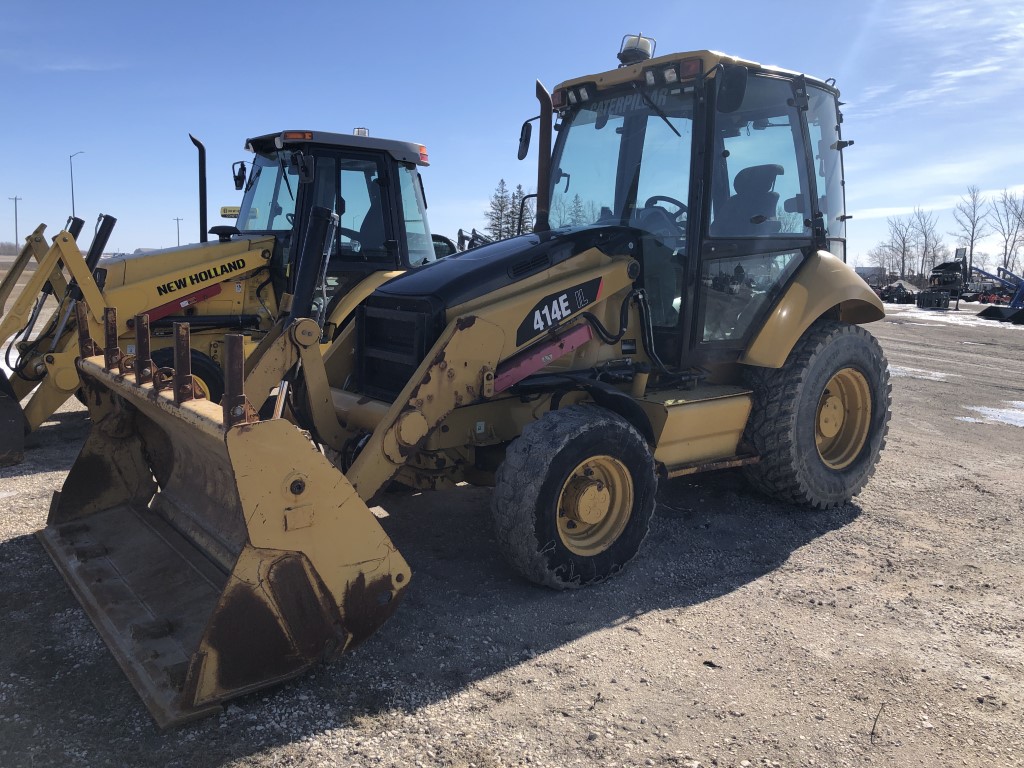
(555, 307)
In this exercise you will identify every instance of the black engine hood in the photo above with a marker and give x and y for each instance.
(465, 276)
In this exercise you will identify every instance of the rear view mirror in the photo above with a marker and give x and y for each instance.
(732, 85)
(238, 173)
(524, 138)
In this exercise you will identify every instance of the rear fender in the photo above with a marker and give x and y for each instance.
(822, 284)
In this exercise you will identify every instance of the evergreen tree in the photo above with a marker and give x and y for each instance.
(577, 213)
(518, 224)
(499, 216)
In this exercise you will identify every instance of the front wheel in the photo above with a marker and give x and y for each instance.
(574, 497)
(208, 375)
(819, 423)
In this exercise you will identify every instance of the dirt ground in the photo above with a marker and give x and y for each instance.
(747, 633)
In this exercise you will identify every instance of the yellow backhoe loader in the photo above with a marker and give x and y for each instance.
(234, 283)
(682, 305)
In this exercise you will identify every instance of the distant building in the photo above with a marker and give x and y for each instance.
(872, 275)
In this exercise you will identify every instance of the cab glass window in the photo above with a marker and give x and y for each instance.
(414, 211)
(823, 126)
(269, 200)
(758, 188)
(735, 290)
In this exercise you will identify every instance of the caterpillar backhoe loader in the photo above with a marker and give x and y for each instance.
(682, 305)
(234, 283)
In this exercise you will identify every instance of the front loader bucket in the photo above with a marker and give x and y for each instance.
(1003, 314)
(13, 425)
(213, 560)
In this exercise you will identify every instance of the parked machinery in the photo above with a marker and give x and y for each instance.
(236, 283)
(682, 305)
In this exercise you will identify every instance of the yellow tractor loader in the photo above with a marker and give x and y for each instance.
(682, 305)
(234, 283)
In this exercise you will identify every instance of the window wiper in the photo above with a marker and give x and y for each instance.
(284, 173)
(253, 176)
(657, 110)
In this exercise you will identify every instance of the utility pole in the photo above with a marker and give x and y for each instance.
(71, 165)
(177, 223)
(16, 199)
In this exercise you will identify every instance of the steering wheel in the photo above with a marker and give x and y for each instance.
(353, 237)
(666, 199)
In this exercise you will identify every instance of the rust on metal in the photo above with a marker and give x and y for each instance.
(86, 346)
(707, 466)
(183, 391)
(111, 352)
(250, 642)
(237, 409)
(143, 357)
(368, 605)
(309, 617)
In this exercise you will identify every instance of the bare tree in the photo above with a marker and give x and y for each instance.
(1006, 214)
(901, 242)
(930, 247)
(883, 256)
(972, 222)
(983, 260)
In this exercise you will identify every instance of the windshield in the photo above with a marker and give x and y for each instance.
(269, 200)
(623, 155)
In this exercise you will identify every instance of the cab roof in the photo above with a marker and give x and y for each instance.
(709, 60)
(403, 151)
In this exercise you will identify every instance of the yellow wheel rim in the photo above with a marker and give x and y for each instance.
(843, 418)
(594, 505)
(203, 386)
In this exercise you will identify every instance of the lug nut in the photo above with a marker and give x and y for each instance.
(297, 486)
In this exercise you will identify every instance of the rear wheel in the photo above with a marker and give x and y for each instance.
(819, 422)
(574, 496)
(207, 374)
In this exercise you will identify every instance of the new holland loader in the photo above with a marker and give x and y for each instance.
(682, 305)
(234, 283)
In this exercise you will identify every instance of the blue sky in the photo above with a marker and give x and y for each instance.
(933, 94)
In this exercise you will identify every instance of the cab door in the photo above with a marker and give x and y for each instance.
(758, 217)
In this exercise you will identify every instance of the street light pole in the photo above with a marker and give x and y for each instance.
(15, 199)
(177, 223)
(71, 165)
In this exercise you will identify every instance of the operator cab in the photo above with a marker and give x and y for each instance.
(731, 172)
(371, 184)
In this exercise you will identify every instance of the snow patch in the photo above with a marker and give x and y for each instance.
(919, 373)
(966, 315)
(1014, 415)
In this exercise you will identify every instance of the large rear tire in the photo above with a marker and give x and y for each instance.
(574, 497)
(819, 423)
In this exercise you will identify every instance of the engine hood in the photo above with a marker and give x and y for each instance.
(465, 276)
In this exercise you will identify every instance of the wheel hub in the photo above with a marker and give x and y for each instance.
(843, 418)
(588, 501)
(831, 416)
(594, 505)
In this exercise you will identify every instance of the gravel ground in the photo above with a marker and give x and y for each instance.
(747, 633)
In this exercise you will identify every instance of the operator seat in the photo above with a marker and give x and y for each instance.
(752, 211)
(371, 231)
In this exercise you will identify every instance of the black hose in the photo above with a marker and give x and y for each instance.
(603, 332)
